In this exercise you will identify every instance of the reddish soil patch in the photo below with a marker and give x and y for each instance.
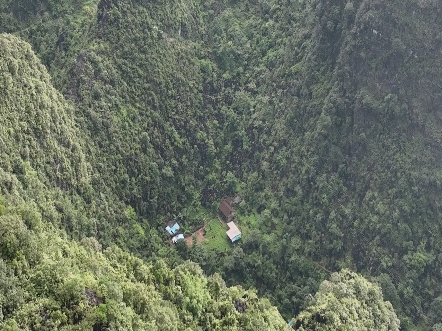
(199, 234)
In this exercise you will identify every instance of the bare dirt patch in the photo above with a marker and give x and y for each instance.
(200, 235)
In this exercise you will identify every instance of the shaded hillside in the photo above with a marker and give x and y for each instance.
(361, 181)
(324, 116)
(141, 103)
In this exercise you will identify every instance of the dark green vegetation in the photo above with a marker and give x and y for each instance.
(324, 116)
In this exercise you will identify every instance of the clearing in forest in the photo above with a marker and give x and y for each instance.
(216, 237)
(199, 234)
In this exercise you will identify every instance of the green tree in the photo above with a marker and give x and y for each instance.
(348, 302)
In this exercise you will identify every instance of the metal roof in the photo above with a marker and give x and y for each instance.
(225, 208)
(233, 230)
(172, 229)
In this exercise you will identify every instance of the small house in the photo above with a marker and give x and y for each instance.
(177, 238)
(172, 228)
(233, 233)
(226, 209)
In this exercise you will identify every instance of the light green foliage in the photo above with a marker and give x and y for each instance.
(42, 151)
(323, 115)
(79, 287)
(216, 237)
(348, 302)
(37, 126)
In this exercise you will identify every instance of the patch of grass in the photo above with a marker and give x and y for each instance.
(216, 237)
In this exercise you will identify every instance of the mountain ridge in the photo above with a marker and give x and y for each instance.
(323, 116)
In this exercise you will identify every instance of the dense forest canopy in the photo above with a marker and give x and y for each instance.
(323, 116)
(50, 283)
(347, 302)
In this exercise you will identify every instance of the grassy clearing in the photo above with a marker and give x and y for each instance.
(216, 237)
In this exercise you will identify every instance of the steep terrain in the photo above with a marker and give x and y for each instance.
(324, 116)
(43, 155)
(347, 301)
(50, 283)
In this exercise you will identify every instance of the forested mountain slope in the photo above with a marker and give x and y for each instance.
(347, 301)
(50, 283)
(324, 116)
(363, 175)
(43, 157)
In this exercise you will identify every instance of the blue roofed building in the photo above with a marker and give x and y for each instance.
(172, 228)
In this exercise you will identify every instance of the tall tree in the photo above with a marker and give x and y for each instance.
(348, 302)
